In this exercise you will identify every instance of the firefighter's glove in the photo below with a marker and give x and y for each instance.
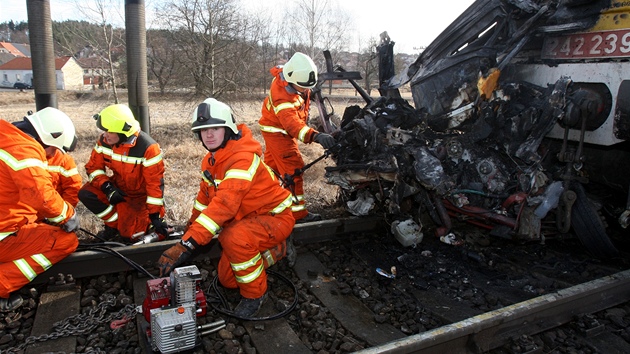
(175, 256)
(72, 224)
(159, 225)
(113, 194)
(325, 140)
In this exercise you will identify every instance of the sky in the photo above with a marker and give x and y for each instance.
(411, 24)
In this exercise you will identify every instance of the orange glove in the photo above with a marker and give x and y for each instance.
(173, 257)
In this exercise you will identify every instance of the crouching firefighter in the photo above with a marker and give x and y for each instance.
(28, 247)
(131, 201)
(240, 197)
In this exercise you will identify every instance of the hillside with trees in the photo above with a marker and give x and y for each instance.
(215, 47)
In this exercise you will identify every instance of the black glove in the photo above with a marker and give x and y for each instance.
(160, 226)
(175, 256)
(72, 224)
(113, 194)
(325, 140)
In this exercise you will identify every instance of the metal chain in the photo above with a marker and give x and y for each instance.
(81, 324)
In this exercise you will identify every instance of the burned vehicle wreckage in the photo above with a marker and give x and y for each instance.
(520, 108)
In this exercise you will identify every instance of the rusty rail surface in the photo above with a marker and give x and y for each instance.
(90, 263)
(495, 328)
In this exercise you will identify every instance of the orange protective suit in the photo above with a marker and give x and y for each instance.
(283, 122)
(240, 197)
(138, 170)
(65, 177)
(28, 248)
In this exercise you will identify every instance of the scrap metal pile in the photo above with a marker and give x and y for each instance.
(476, 145)
(394, 153)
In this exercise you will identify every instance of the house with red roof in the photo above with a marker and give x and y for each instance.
(96, 71)
(17, 50)
(69, 74)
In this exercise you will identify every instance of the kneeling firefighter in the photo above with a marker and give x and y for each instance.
(131, 201)
(241, 201)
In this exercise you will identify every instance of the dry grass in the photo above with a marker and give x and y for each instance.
(170, 127)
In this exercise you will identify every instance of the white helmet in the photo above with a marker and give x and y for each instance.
(54, 128)
(300, 70)
(211, 114)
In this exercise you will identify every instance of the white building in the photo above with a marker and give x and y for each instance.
(69, 74)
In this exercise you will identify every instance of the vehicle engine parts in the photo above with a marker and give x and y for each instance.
(512, 98)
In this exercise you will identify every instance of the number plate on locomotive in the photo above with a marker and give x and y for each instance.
(588, 45)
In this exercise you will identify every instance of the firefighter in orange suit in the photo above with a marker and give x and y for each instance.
(65, 176)
(28, 247)
(240, 197)
(284, 121)
(130, 201)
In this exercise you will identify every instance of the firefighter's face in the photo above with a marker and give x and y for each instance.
(213, 137)
(299, 89)
(50, 151)
(111, 138)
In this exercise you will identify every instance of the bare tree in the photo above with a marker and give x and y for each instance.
(99, 12)
(368, 64)
(162, 61)
(83, 38)
(16, 32)
(270, 49)
(272, 53)
(215, 42)
(317, 25)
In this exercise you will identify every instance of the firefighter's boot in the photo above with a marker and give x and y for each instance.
(291, 252)
(248, 308)
(12, 303)
(310, 217)
(107, 234)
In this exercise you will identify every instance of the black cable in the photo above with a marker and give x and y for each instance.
(230, 313)
(219, 295)
(101, 248)
(133, 264)
(106, 243)
(93, 235)
(103, 241)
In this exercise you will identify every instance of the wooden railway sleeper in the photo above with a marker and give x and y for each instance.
(80, 324)
(589, 325)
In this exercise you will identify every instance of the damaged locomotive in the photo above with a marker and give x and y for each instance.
(521, 108)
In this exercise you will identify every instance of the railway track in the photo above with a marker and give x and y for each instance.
(443, 299)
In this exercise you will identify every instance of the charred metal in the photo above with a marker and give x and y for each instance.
(511, 122)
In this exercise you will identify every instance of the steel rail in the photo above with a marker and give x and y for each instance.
(495, 328)
(90, 263)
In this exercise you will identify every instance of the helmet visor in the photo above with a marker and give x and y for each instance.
(72, 146)
(99, 123)
(204, 115)
(110, 126)
(310, 82)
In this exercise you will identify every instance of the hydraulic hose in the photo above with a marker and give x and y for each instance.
(104, 249)
(224, 306)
